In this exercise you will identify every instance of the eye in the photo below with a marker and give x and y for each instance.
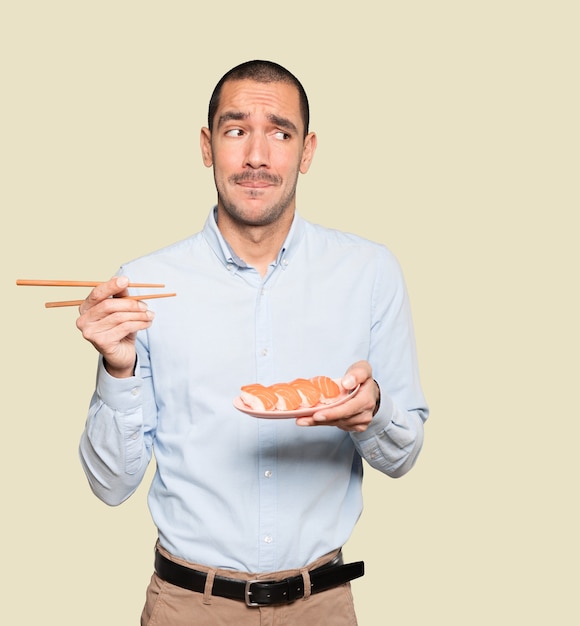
(234, 132)
(280, 134)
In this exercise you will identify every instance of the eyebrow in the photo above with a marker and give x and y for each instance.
(232, 115)
(282, 122)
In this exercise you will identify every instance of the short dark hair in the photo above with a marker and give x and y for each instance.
(261, 72)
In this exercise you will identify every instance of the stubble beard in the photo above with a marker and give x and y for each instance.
(269, 214)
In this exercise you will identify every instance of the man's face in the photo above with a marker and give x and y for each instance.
(257, 149)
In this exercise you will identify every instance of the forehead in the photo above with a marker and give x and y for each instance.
(256, 100)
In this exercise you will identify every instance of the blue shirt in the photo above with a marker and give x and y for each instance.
(231, 490)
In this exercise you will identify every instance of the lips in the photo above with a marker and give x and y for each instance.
(254, 185)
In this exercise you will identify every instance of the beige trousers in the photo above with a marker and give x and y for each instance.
(168, 605)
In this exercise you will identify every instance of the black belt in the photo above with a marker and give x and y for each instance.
(259, 592)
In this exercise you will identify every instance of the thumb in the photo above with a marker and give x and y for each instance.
(356, 374)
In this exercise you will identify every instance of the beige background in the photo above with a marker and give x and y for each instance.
(448, 131)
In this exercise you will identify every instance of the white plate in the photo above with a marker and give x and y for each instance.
(304, 412)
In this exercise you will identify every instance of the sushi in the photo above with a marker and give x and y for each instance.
(288, 397)
(329, 389)
(297, 394)
(258, 397)
(308, 391)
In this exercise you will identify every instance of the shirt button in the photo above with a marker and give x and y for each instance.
(135, 391)
(268, 473)
(264, 352)
(268, 539)
(285, 262)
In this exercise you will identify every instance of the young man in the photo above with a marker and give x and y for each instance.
(266, 297)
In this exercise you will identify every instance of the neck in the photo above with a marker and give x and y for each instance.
(256, 245)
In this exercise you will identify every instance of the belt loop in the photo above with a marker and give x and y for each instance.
(306, 581)
(208, 586)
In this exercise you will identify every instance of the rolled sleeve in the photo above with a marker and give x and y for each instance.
(393, 440)
(113, 448)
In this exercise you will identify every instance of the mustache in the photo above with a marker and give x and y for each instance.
(255, 177)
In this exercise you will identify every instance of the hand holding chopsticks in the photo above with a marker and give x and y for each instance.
(110, 320)
(85, 283)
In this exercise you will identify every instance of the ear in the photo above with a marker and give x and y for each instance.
(308, 151)
(205, 143)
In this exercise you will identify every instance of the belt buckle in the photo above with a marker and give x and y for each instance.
(248, 592)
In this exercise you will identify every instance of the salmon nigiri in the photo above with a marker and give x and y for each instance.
(329, 389)
(308, 391)
(259, 397)
(288, 397)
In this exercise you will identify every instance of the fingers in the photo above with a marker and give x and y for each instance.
(105, 319)
(356, 414)
(114, 321)
(357, 374)
(111, 323)
(116, 286)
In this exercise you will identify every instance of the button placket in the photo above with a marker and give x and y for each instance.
(266, 435)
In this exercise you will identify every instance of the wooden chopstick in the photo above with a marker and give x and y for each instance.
(50, 305)
(89, 283)
(78, 283)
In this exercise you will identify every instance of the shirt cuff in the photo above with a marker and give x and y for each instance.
(380, 421)
(121, 394)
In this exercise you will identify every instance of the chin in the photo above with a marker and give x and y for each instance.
(254, 213)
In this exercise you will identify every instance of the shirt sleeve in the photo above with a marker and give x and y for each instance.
(116, 443)
(393, 441)
(394, 438)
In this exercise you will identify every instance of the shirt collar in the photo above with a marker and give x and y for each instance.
(230, 259)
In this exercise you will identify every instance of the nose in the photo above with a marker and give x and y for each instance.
(257, 152)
